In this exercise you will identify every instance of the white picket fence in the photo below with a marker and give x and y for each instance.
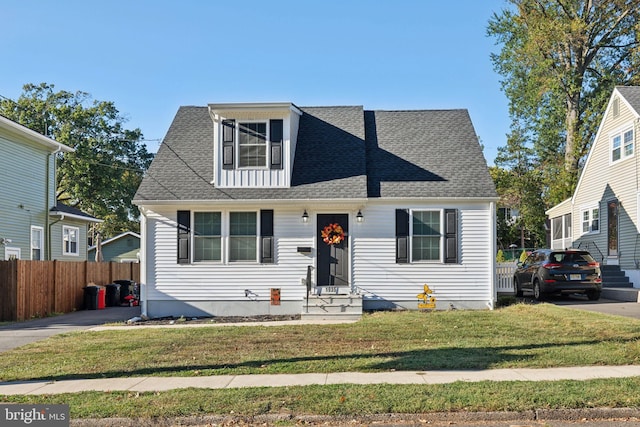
(504, 277)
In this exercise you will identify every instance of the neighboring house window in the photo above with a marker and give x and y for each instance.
(37, 243)
(590, 220)
(252, 144)
(207, 236)
(426, 235)
(561, 232)
(622, 145)
(70, 240)
(242, 236)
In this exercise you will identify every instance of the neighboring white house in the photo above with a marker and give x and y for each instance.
(603, 214)
(237, 198)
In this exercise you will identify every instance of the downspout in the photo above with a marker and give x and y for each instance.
(47, 224)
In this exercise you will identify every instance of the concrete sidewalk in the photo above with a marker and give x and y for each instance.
(153, 384)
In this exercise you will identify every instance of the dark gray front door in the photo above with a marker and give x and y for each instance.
(333, 260)
(612, 228)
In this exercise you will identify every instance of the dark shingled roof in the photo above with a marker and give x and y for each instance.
(632, 95)
(341, 153)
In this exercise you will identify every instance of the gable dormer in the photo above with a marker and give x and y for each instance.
(254, 144)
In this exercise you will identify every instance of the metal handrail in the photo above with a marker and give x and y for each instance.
(588, 245)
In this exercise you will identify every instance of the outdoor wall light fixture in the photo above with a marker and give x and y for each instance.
(359, 216)
(4, 241)
(305, 216)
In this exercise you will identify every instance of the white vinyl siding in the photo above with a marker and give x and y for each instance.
(374, 271)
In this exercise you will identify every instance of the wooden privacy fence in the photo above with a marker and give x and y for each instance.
(31, 289)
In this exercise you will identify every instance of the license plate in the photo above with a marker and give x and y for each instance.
(575, 277)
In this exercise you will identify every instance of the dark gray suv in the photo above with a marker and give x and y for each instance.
(547, 271)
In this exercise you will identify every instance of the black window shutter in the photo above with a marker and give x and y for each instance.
(266, 236)
(276, 139)
(228, 143)
(184, 236)
(402, 236)
(451, 236)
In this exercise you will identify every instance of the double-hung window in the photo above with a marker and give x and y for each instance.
(207, 236)
(426, 236)
(622, 145)
(591, 220)
(243, 227)
(70, 240)
(37, 243)
(252, 144)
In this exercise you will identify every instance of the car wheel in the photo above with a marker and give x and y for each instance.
(517, 287)
(593, 295)
(537, 293)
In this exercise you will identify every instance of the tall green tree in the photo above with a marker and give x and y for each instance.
(559, 61)
(103, 173)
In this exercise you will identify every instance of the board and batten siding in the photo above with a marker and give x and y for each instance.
(381, 280)
(23, 190)
(258, 177)
(603, 181)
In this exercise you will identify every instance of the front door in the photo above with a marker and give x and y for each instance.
(333, 257)
(612, 228)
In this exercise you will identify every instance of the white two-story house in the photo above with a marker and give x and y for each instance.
(246, 207)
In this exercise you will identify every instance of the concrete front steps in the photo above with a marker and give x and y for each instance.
(616, 285)
(333, 307)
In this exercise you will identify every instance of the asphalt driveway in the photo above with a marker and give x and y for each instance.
(16, 334)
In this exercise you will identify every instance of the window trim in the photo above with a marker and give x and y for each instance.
(620, 133)
(41, 242)
(441, 236)
(225, 237)
(590, 210)
(65, 229)
(194, 238)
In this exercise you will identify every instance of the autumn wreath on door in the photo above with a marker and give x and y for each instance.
(332, 234)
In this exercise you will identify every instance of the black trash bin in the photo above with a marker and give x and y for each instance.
(112, 296)
(91, 297)
(126, 289)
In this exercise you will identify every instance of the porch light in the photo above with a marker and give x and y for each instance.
(359, 216)
(305, 216)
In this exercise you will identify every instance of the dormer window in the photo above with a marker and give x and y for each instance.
(252, 144)
(258, 145)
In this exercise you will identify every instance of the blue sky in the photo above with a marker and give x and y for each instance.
(151, 56)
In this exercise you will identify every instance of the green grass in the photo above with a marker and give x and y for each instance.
(516, 336)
